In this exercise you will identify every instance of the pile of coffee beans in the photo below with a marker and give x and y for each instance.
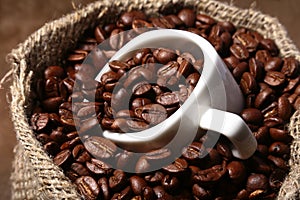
(270, 85)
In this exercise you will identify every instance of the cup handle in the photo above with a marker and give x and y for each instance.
(234, 128)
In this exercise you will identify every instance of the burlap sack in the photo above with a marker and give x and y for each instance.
(34, 174)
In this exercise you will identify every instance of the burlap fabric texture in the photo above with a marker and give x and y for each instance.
(34, 174)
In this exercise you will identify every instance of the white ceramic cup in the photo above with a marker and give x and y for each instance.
(211, 106)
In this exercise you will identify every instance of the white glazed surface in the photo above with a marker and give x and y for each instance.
(216, 89)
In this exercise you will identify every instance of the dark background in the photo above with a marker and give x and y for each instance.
(19, 18)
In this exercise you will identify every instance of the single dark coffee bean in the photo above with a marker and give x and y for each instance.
(164, 56)
(269, 45)
(39, 121)
(273, 122)
(239, 70)
(117, 181)
(137, 184)
(194, 151)
(141, 89)
(43, 138)
(168, 99)
(139, 25)
(63, 158)
(104, 188)
(248, 83)
(175, 19)
(178, 166)
(201, 193)
(223, 149)
(279, 162)
(162, 22)
(161, 193)
(88, 187)
(153, 158)
(140, 54)
(98, 167)
(116, 65)
(239, 51)
(154, 178)
(193, 79)
(100, 147)
(135, 124)
(271, 110)
(168, 70)
(246, 40)
(262, 150)
(290, 67)
(284, 108)
(99, 34)
(127, 18)
(263, 56)
(263, 97)
(280, 135)
(259, 165)
(58, 136)
(256, 68)
(77, 56)
(252, 116)
(80, 169)
(125, 194)
(117, 39)
(257, 182)
(210, 175)
(273, 64)
(154, 113)
(279, 149)
(52, 148)
(292, 84)
(227, 26)
(120, 125)
(262, 135)
(188, 17)
(274, 78)
(184, 69)
(231, 62)
(237, 171)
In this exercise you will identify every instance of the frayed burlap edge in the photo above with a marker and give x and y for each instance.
(34, 174)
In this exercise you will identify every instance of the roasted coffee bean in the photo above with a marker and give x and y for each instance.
(161, 193)
(154, 178)
(63, 158)
(257, 182)
(120, 124)
(39, 121)
(137, 184)
(117, 39)
(274, 78)
(168, 70)
(104, 188)
(43, 138)
(99, 34)
(188, 17)
(262, 150)
(239, 51)
(239, 70)
(262, 135)
(162, 22)
(256, 68)
(58, 136)
(140, 54)
(135, 124)
(127, 18)
(279, 162)
(178, 166)
(117, 181)
(80, 169)
(263, 97)
(52, 148)
(237, 171)
(263, 56)
(248, 83)
(292, 84)
(210, 175)
(194, 151)
(88, 187)
(273, 122)
(139, 26)
(120, 100)
(269, 45)
(123, 195)
(271, 110)
(290, 67)
(193, 79)
(100, 147)
(279, 149)
(156, 157)
(98, 167)
(284, 108)
(54, 71)
(223, 149)
(164, 56)
(141, 89)
(201, 193)
(167, 99)
(246, 40)
(252, 116)
(280, 135)
(154, 113)
(116, 65)
(273, 64)
(297, 103)
(231, 62)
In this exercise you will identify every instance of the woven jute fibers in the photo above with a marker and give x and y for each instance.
(34, 175)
